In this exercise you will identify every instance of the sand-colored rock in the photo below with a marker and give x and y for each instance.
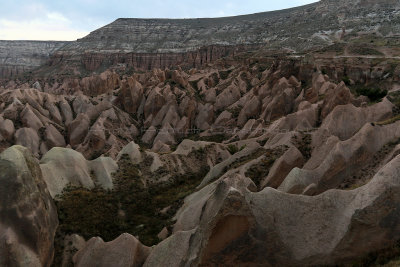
(7, 129)
(340, 95)
(343, 159)
(53, 137)
(72, 244)
(281, 168)
(103, 168)
(78, 129)
(62, 167)
(224, 214)
(124, 251)
(250, 110)
(28, 220)
(149, 135)
(29, 138)
(29, 119)
(133, 151)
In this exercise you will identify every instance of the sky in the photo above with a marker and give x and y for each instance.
(69, 20)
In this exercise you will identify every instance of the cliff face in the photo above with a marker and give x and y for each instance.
(19, 56)
(183, 35)
(94, 61)
(158, 43)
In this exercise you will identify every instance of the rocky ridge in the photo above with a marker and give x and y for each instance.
(144, 44)
(263, 158)
(18, 57)
(160, 43)
(213, 148)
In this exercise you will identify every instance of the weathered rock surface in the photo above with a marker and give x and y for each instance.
(342, 160)
(62, 167)
(173, 42)
(253, 125)
(28, 216)
(225, 214)
(17, 57)
(124, 251)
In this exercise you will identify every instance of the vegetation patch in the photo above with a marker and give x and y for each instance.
(235, 111)
(303, 144)
(233, 149)
(259, 171)
(346, 80)
(364, 50)
(394, 97)
(225, 74)
(337, 48)
(218, 138)
(389, 121)
(373, 93)
(364, 175)
(245, 159)
(131, 207)
(389, 257)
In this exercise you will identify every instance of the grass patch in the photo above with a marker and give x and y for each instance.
(218, 138)
(389, 121)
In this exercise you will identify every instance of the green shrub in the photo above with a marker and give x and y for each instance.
(131, 207)
(235, 111)
(232, 149)
(374, 94)
(346, 80)
(224, 74)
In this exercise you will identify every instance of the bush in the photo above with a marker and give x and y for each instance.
(131, 207)
(233, 149)
(346, 80)
(374, 94)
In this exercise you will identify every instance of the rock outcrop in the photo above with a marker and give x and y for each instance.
(230, 225)
(124, 251)
(28, 216)
(64, 167)
(261, 158)
(17, 57)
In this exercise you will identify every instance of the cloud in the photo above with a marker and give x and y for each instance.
(57, 17)
(49, 27)
(36, 21)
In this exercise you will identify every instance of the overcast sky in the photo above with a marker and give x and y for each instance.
(72, 19)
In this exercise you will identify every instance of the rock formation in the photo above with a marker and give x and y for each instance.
(28, 216)
(189, 152)
(17, 57)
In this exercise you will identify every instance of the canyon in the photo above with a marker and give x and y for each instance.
(270, 139)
